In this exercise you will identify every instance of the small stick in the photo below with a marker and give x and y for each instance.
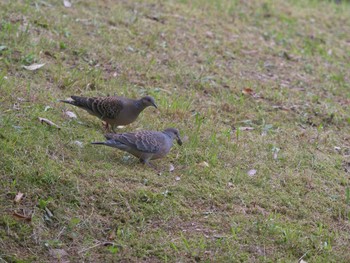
(22, 217)
(60, 233)
(96, 245)
(302, 256)
(48, 122)
(86, 249)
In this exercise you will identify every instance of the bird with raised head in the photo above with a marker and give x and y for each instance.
(113, 110)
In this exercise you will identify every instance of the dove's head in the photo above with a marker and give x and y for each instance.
(148, 101)
(174, 134)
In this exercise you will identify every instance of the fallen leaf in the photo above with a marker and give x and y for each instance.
(79, 144)
(16, 106)
(209, 34)
(47, 108)
(275, 151)
(337, 148)
(249, 52)
(266, 129)
(48, 212)
(18, 197)
(112, 235)
(346, 166)
(48, 215)
(286, 55)
(106, 244)
(204, 164)
(177, 178)
(252, 172)
(70, 114)
(58, 253)
(171, 168)
(34, 66)
(246, 128)
(49, 54)
(48, 122)
(280, 107)
(155, 18)
(130, 49)
(22, 217)
(66, 3)
(248, 91)
(166, 192)
(219, 236)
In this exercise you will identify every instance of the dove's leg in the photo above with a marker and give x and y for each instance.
(146, 162)
(105, 125)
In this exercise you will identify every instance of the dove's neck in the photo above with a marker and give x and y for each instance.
(169, 135)
(139, 105)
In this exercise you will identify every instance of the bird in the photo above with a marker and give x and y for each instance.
(145, 145)
(114, 110)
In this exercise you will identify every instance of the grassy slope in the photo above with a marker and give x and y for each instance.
(195, 58)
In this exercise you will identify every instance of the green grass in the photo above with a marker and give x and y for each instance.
(195, 57)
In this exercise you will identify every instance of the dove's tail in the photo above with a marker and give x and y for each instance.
(113, 143)
(82, 102)
(101, 143)
(68, 101)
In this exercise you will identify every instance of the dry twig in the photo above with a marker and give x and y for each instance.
(48, 122)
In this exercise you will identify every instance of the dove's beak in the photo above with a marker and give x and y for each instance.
(179, 142)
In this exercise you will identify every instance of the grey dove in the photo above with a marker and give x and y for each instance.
(114, 110)
(145, 145)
